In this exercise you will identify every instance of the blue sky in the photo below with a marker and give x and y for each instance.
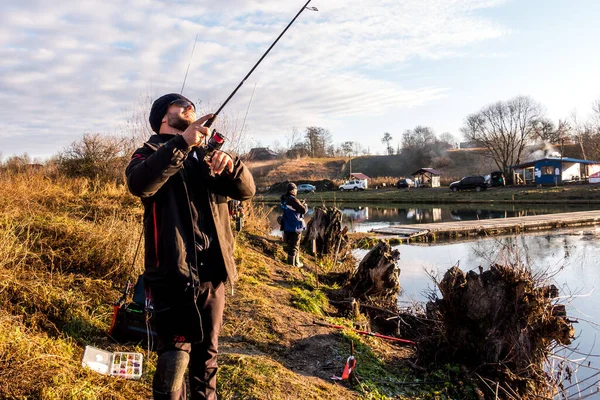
(358, 70)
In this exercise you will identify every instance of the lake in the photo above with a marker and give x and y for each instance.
(363, 218)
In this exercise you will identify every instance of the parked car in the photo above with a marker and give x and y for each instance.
(405, 183)
(476, 182)
(306, 188)
(356, 184)
(497, 179)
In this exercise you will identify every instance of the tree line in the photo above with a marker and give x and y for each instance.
(504, 129)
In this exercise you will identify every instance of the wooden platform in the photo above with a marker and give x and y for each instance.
(445, 230)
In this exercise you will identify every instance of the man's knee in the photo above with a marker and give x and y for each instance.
(170, 371)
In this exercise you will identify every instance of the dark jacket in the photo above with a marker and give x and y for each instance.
(293, 213)
(162, 173)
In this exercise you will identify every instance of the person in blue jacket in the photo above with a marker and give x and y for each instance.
(293, 223)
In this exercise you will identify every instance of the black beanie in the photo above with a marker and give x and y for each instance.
(160, 108)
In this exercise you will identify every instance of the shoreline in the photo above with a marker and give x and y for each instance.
(490, 227)
(588, 194)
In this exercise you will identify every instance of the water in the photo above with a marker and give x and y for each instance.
(363, 218)
(570, 258)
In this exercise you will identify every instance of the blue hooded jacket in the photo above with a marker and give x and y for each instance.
(293, 214)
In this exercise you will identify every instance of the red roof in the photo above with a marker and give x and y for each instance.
(359, 175)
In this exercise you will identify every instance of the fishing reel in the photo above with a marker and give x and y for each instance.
(214, 143)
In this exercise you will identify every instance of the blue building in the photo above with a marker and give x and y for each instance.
(553, 171)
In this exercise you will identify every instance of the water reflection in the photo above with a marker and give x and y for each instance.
(569, 259)
(361, 218)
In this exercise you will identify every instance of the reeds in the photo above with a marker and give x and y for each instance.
(66, 246)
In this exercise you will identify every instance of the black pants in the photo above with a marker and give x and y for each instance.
(292, 241)
(177, 349)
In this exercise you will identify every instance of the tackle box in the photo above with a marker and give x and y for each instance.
(124, 364)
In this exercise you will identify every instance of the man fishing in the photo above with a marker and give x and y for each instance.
(188, 242)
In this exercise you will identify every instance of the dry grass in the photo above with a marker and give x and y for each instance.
(255, 217)
(305, 169)
(383, 181)
(37, 365)
(66, 250)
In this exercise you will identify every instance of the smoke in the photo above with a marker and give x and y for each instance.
(545, 150)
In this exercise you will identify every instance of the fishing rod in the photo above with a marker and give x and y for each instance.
(215, 142)
(378, 335)
(190, 63)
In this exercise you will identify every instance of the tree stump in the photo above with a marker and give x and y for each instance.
(501, 322)
(325, 228)
(377, 275)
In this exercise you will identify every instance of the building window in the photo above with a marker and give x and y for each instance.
(548, 170)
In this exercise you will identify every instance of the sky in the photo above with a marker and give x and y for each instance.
(356, 68)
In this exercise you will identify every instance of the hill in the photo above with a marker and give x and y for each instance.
(453, 166)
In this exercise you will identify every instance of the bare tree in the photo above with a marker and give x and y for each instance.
(578, 133)
(347, 148)
(504, 129)
(547, 132)
(419, 137)
(596, 111)
(292, 138)
(331, 151)
(387, 139)
(419, 145)
(277, 147)
(448, 139)
(587, 133)
(317, 140)
(563, 130)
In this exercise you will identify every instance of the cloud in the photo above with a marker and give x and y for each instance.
(67, 70)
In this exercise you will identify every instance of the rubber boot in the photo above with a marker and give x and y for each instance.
(291, 261)
(168, 382)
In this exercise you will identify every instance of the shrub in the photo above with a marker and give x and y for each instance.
(96, 157)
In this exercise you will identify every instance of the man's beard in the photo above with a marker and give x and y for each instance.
(175, 121)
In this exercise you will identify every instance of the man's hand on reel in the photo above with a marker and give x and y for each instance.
(195, 133)
(220, 162)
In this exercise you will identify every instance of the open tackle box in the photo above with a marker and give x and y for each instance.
(124, 364)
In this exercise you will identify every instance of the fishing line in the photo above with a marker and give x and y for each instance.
(190, 63)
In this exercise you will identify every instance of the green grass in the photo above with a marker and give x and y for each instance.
(574, 194)
(311, 301)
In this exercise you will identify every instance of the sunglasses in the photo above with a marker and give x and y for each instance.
(182, 103)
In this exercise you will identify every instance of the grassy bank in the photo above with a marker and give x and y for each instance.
(572, 194)
(66, 251)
